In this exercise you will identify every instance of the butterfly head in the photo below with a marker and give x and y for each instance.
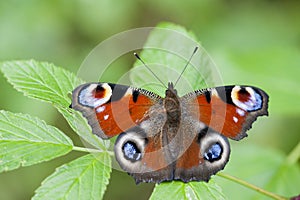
(171, 91)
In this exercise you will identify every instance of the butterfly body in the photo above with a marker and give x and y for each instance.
(171, 138)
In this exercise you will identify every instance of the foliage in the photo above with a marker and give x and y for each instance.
(191, 190)
(26, 140)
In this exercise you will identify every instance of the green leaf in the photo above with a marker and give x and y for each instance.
(83, 178)
(25, 140)
(46, 82)
(41, 80)
(79, 124)
(167, 51)
(285, 180)
(263, 167)
(191, 190)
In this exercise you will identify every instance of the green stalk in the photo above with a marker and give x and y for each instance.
(89, 150)
(251, 186)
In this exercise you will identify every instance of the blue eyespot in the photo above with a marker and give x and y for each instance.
(131, 151)
(213, 153)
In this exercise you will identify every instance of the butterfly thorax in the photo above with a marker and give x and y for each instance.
(172, 104)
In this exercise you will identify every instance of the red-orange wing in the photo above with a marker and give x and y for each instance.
(229, 110)
(110, 108)
(207, 154)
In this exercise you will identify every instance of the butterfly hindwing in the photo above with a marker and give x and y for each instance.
(207, 154)
(143, 156)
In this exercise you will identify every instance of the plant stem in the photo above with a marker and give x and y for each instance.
(294, 156)
(89, 150)
(251, 186)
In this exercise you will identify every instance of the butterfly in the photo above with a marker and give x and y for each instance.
(170, 138)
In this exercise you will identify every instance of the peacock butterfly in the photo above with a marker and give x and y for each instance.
(171, 138)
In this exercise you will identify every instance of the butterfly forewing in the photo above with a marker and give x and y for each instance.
(112, 109)
(229, 110)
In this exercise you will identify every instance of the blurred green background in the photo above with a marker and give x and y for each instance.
(251, 42)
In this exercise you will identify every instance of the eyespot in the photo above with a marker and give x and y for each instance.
(94, 95)
(131, 151)
(215, 149)
(246, 98)
(213, 153)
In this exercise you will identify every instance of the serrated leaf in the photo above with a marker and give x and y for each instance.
(41, 80)
(263, 167)
(83, 178)
(46, 82)
(167, 51)
(191, 190)
(79, 124)
(25, 140)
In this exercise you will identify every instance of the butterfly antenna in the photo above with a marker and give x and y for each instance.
(188, 62)
(138, 57)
